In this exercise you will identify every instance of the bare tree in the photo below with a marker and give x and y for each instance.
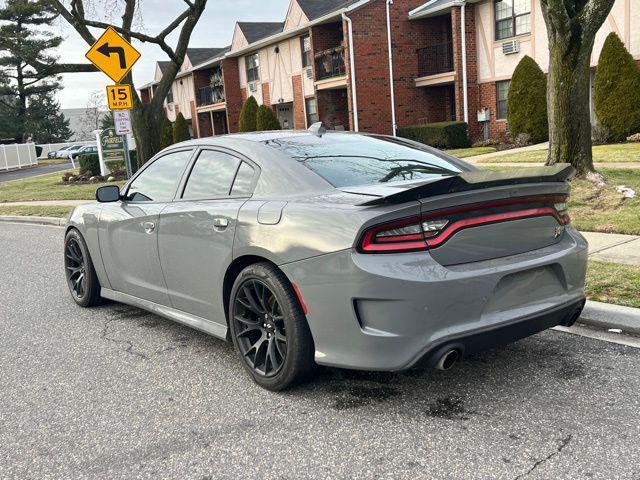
(93, 115)
(146, 119)
(571, 27)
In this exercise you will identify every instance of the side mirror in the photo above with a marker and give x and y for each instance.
(108, 194)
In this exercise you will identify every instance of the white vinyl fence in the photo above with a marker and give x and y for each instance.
(17, 155)
(52, 147)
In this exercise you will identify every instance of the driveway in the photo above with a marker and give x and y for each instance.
(118, 393)
(32, 172)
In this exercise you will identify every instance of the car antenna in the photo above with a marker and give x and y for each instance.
(317, 129)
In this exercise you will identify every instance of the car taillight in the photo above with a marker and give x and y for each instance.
(406, 235)
(433, 229)
(563, 211)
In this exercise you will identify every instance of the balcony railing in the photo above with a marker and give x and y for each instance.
(210, 96)
(330, 63)
(435, 59)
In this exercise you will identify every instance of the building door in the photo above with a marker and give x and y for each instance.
(284, 112)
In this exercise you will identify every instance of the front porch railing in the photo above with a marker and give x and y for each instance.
(210, 96)
(435, 59)
(330, 63)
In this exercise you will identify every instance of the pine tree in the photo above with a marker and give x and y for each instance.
(181, 129)
(617, 90)
(166, 134)
(248, 115)
(25, 43)
(45, 123)
(527, 101)
(266, 120)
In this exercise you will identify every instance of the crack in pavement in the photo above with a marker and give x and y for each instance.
(563, 443)
(129, 349)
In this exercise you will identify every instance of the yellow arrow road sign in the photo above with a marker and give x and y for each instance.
(113, 54)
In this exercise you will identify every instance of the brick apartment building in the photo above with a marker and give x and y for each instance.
(330, 60)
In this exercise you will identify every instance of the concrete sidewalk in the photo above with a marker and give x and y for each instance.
(614, 248)
(46, 203)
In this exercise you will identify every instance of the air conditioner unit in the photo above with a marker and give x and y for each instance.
(511, 47)
(253, 87)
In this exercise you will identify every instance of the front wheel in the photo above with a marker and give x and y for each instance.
(82, 280)
(269, 329)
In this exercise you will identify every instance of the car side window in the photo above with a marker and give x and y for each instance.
(158, 182)
(211, 176)
(244, 181)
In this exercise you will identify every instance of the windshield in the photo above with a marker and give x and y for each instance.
(354, 160)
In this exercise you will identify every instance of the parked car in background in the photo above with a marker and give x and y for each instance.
(72, 150)
(58, 153)
(341, 249)
(88, 149)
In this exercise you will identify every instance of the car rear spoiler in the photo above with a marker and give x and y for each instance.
(478, 180)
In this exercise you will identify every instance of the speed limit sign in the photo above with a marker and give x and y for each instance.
(119, 97)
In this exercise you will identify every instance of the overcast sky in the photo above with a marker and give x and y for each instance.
(213, 30)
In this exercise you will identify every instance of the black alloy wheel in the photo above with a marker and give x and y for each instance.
(81, 276)
(261, 332)
(269, 328)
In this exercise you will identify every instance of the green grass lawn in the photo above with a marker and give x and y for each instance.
(620, 152)
(54, 161)
(46, 187)
(601, 209)
(613, 283)
(36, 211)
(470, 152)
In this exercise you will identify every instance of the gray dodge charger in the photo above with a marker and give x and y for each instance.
(340, 249)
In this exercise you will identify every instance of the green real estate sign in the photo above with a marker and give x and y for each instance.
(112, 145)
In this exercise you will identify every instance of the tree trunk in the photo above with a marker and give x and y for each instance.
(568, 104)
(147, 124)
(568, 101)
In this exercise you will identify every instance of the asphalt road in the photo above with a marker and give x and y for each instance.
(115, 392)
(32, 172)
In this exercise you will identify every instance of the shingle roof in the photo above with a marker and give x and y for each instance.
(254, 31)
(199, 55)
(163, 66)
(317, 8)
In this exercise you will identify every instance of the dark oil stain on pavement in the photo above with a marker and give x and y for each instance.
(449, 408)
(357, 396)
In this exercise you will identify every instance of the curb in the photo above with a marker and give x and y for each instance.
(606, 316)
(58, 222)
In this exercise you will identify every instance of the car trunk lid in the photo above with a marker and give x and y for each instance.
(479, 216)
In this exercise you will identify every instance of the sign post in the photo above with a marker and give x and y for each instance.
(115, 56)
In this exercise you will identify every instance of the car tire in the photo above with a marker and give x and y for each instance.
(278, 322)
(82, 280)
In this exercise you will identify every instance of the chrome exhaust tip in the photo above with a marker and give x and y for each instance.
(448, 360)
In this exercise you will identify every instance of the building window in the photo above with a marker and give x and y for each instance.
(312, 111)
(502, 93)
(305, 45)
(253, 67)
(170, 96)
(513, 17)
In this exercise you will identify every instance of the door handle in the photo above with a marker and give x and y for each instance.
(149, 227)
(220, 224)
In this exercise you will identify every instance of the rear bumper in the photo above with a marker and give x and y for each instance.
(392, 312)
(500, 335)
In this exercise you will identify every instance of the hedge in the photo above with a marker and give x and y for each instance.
(181, 129)
(617, 90)
(439, 135)
(89, 163)
(266, 120)
(166, 133)
(527, 102)
(248, 114)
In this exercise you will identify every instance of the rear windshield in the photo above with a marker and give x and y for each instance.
(352, 160)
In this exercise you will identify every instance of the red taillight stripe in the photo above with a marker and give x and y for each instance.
(489, 219)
